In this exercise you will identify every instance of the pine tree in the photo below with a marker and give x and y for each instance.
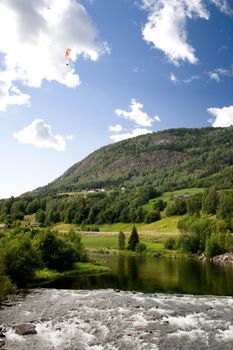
(133, 239)
(121, 241)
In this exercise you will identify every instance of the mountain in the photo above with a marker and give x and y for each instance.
(170, 159)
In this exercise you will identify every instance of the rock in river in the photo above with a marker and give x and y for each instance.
(24, 329)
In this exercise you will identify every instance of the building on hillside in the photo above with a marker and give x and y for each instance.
(183, 196)
(96, 190)
(35, 224)
(3, 227)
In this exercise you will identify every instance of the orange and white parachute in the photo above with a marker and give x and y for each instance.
(67, 55)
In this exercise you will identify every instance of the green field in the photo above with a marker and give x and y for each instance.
(154, 242)
(166, 225)
(168, 196)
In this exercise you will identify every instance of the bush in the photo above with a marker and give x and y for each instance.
(215, 245)
(189, 243)
(21, 260)
(152, 216)
(179, 207)
(56, 253)
(202, 228)
(121, 241)
(141, 247)
(6, 287)
(170, 243)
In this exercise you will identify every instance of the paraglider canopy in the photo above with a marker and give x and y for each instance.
(67, 55)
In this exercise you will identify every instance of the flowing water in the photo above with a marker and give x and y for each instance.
(138, 318)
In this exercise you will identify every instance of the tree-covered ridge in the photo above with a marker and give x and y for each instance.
(169, 160)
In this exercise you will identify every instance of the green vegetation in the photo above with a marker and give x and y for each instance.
(121, 241)
(28, 255)
(133, 239)
(44, 276)
(169, 160)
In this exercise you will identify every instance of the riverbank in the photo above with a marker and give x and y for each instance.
(46, 275)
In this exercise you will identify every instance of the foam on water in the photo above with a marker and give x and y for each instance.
(107, 320)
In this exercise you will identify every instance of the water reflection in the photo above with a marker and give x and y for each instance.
(148, 274)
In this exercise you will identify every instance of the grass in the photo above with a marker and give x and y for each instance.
(167, 224)
(100, 241)
(168, 196)
(47, 275)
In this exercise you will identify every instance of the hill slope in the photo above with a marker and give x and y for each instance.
(171, 159)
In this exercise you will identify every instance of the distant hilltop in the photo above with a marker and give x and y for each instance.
(169, 160)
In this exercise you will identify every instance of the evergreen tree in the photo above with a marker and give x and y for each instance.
(133, 239)
(121, 241)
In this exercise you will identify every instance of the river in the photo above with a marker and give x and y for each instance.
(142, 304)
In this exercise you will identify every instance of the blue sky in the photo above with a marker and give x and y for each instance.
(135, 67)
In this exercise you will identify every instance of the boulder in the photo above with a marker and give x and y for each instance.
(25, 328)
(2, 343)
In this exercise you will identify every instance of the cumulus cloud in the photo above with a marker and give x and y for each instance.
(134, 133)
(40, 135)
(10, 94)
(116, 128)
(166, 26)
(33, 38)
(136, 114)
(218, 73)
(138, 117)
(223, 116)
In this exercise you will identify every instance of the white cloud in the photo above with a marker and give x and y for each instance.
(166, 26)
(33, 38)
(10, 93)
(138, 70)
(40, 135)
(116, 128)
(136, 114)
(223, 116)
(173, 78)
(214, 76)
(223, 6)
(134, 133)
(192, 78)
(218, 73)
(157, 118)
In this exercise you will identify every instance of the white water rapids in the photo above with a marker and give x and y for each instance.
(110, 320)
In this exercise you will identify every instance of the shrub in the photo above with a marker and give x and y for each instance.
(141, 247)
(121, 241)
(6, 285)
(152, 216)
(189, 243)
(170, 243)
(215, 245)
(179, 207)
(21, 260)
(56, 253)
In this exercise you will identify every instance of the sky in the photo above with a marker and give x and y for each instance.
(135, 67)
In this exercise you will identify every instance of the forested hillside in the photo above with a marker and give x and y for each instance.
(169, 160)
